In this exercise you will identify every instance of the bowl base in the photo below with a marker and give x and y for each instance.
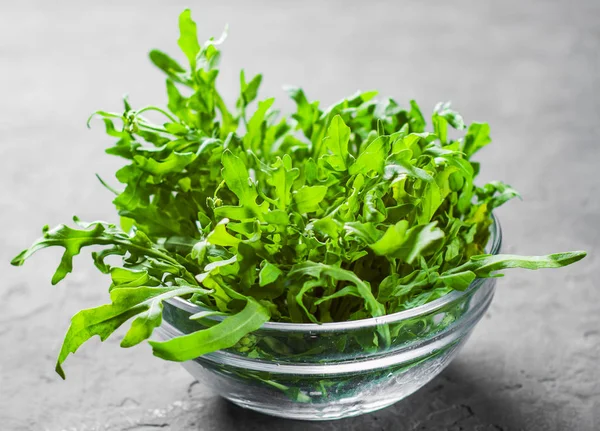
(329, 413)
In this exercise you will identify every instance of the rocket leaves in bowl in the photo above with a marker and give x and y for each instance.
(333, 214)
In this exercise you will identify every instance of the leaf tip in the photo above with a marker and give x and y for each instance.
(89, 120)
(59, 370)
(58, 276)
(159, 350)
(125, 343)
(18, 260)
(573, 256)
(186, 13)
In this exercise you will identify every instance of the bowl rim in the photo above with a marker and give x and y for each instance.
(495, 244)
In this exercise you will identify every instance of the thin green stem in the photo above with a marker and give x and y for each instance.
(107, 186)
(157, 109)
(147, 126)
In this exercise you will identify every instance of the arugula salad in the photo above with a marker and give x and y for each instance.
(333, 214)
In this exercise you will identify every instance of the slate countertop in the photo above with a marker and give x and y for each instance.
(528, 68)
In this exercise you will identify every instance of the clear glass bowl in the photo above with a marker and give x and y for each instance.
(337, 370)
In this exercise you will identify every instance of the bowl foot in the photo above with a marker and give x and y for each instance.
(315, 412)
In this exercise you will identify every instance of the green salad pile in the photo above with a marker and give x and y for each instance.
(333, 214)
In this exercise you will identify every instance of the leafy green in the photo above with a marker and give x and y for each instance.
(308, 198)
(484, 266)
(268, 274)
(222, 335)
(188, 38)
(335, 214)
(141, 301)
(338, 137)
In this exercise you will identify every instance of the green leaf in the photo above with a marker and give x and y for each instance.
(220, 236)
(283, 178)
(308, 198)
(417, 121)
(458, 281)
(146, 302)
(178, 103)
(249, 90)
(400, 163)
(314, 269)
(477, 137)
(367, 232)
(237, 178)
(72, 240)
(485, 265)
(188, 37)
(277, 217)
(268, 274)
(167, 65)
(338, 137)
(372, 158)
(453, 118)
(430, 202)
(175, 162)
(97, 233)
(391, 240)
(255, 134)
(327, 226)
(418, 240)
(407, 244)
(221, 336)
(123, 277)
(306, 114)
(496, 193)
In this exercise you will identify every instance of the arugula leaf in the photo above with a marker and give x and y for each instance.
(237, 179)
(188, 37)
(338, 138)
(249, 90)
(313, 269)
(255, 134)
(143, 301)
(268, 274)
(221, 336)
(165, 63)
(459, 280)
(283, 179)
(477, 137)
(484, 266)
(175, 162)
(71, 239)
(372, 158)
(407, 244)
(308, 198)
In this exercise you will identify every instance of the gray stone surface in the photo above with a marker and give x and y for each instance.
(529, 68)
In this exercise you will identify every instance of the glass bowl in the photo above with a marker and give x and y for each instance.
(336, 370)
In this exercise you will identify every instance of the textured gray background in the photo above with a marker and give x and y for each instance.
(529, 68)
